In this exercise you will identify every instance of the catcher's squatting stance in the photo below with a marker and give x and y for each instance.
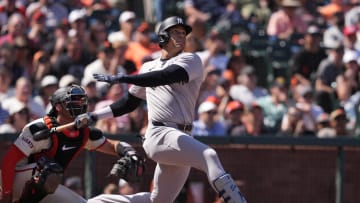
(33, 166)
(170, 85)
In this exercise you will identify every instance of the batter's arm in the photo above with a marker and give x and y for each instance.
(126, 104)
(171, 74)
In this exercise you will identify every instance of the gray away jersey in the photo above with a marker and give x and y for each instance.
(175, 102)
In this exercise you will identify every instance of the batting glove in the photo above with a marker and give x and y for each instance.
(112, 79)
(84, 120)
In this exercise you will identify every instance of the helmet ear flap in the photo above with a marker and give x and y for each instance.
(164, 38)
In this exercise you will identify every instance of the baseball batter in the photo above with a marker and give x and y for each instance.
(170, 85)
(33, 166)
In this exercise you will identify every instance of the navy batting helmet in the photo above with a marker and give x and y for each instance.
(73, 98)
(168, 23)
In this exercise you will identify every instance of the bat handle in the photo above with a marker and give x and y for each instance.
(62, 127)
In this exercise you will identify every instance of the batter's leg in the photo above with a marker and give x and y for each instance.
(143, 197)
(176, 148)
(63, 194)
(168, 182)
(180, 149)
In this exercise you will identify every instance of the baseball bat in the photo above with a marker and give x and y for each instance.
(46, 132)
(62, 127)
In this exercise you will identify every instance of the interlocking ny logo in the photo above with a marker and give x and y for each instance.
(180, 21)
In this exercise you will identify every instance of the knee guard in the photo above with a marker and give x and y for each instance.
(46, 178)
(228, 190)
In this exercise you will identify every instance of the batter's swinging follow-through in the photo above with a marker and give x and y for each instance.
(170, 85)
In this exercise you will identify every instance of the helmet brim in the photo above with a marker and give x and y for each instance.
(188, 29)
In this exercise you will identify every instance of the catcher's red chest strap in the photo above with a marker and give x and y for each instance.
(50, 122)
(65, 145)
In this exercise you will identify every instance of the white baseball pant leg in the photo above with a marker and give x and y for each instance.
(175, 153)
(142, 197)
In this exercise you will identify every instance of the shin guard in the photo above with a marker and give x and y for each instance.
(228, 190)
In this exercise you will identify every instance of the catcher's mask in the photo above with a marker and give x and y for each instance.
(163, 34)
(73, 98)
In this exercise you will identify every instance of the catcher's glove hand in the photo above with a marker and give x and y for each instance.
(130, 168)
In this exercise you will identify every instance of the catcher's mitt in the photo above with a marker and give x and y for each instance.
(130, 168)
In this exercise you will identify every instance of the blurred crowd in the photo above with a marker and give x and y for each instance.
(273, 67)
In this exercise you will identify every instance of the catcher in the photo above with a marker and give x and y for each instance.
(33, 167)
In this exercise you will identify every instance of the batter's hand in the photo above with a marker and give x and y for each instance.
(84, 120)
(112, 79)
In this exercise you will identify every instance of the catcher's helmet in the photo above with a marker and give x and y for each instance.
(73, 98)
(163, 35)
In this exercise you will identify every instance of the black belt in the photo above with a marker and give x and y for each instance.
(182, 127)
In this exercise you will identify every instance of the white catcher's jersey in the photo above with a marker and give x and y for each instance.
(176, 102)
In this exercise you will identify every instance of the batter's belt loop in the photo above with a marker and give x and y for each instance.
(182, 127)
